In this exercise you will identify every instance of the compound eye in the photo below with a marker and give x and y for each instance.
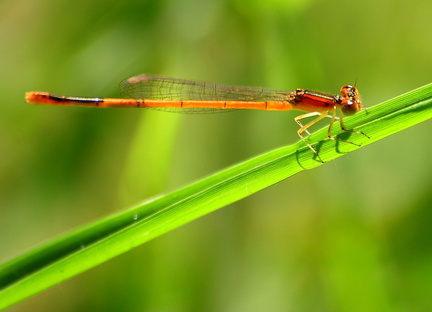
(350, 108)
(351, 103)
(349, 91)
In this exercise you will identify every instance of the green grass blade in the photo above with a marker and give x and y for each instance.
(103, 240)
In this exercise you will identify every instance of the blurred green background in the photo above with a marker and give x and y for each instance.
(352, 235)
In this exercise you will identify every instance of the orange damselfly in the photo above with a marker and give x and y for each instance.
(181, 95)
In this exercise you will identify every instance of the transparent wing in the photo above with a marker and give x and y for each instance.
(165, 88)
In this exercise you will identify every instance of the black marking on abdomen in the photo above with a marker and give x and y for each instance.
(58, 98)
